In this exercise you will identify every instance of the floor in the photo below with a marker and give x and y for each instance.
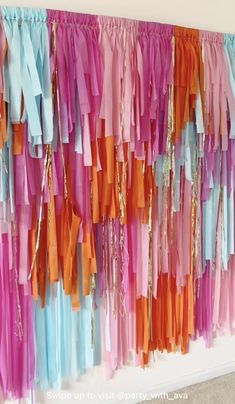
(216, 391)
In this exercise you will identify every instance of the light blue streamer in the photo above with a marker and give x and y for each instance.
(29, 73)
(63, 337)
(210, 218)
(229, 47)
(227, 242)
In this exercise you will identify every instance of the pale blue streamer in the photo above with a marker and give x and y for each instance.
(29, 72)
(12, 85)
(210, 218)
(227, 242)
(63, 337)
(229, 47)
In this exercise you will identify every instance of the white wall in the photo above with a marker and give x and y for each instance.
(170, 371)
(215, 15)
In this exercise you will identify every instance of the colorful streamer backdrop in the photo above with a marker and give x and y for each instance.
(117, 178)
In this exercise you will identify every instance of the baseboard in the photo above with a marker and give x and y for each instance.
(188, 380)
